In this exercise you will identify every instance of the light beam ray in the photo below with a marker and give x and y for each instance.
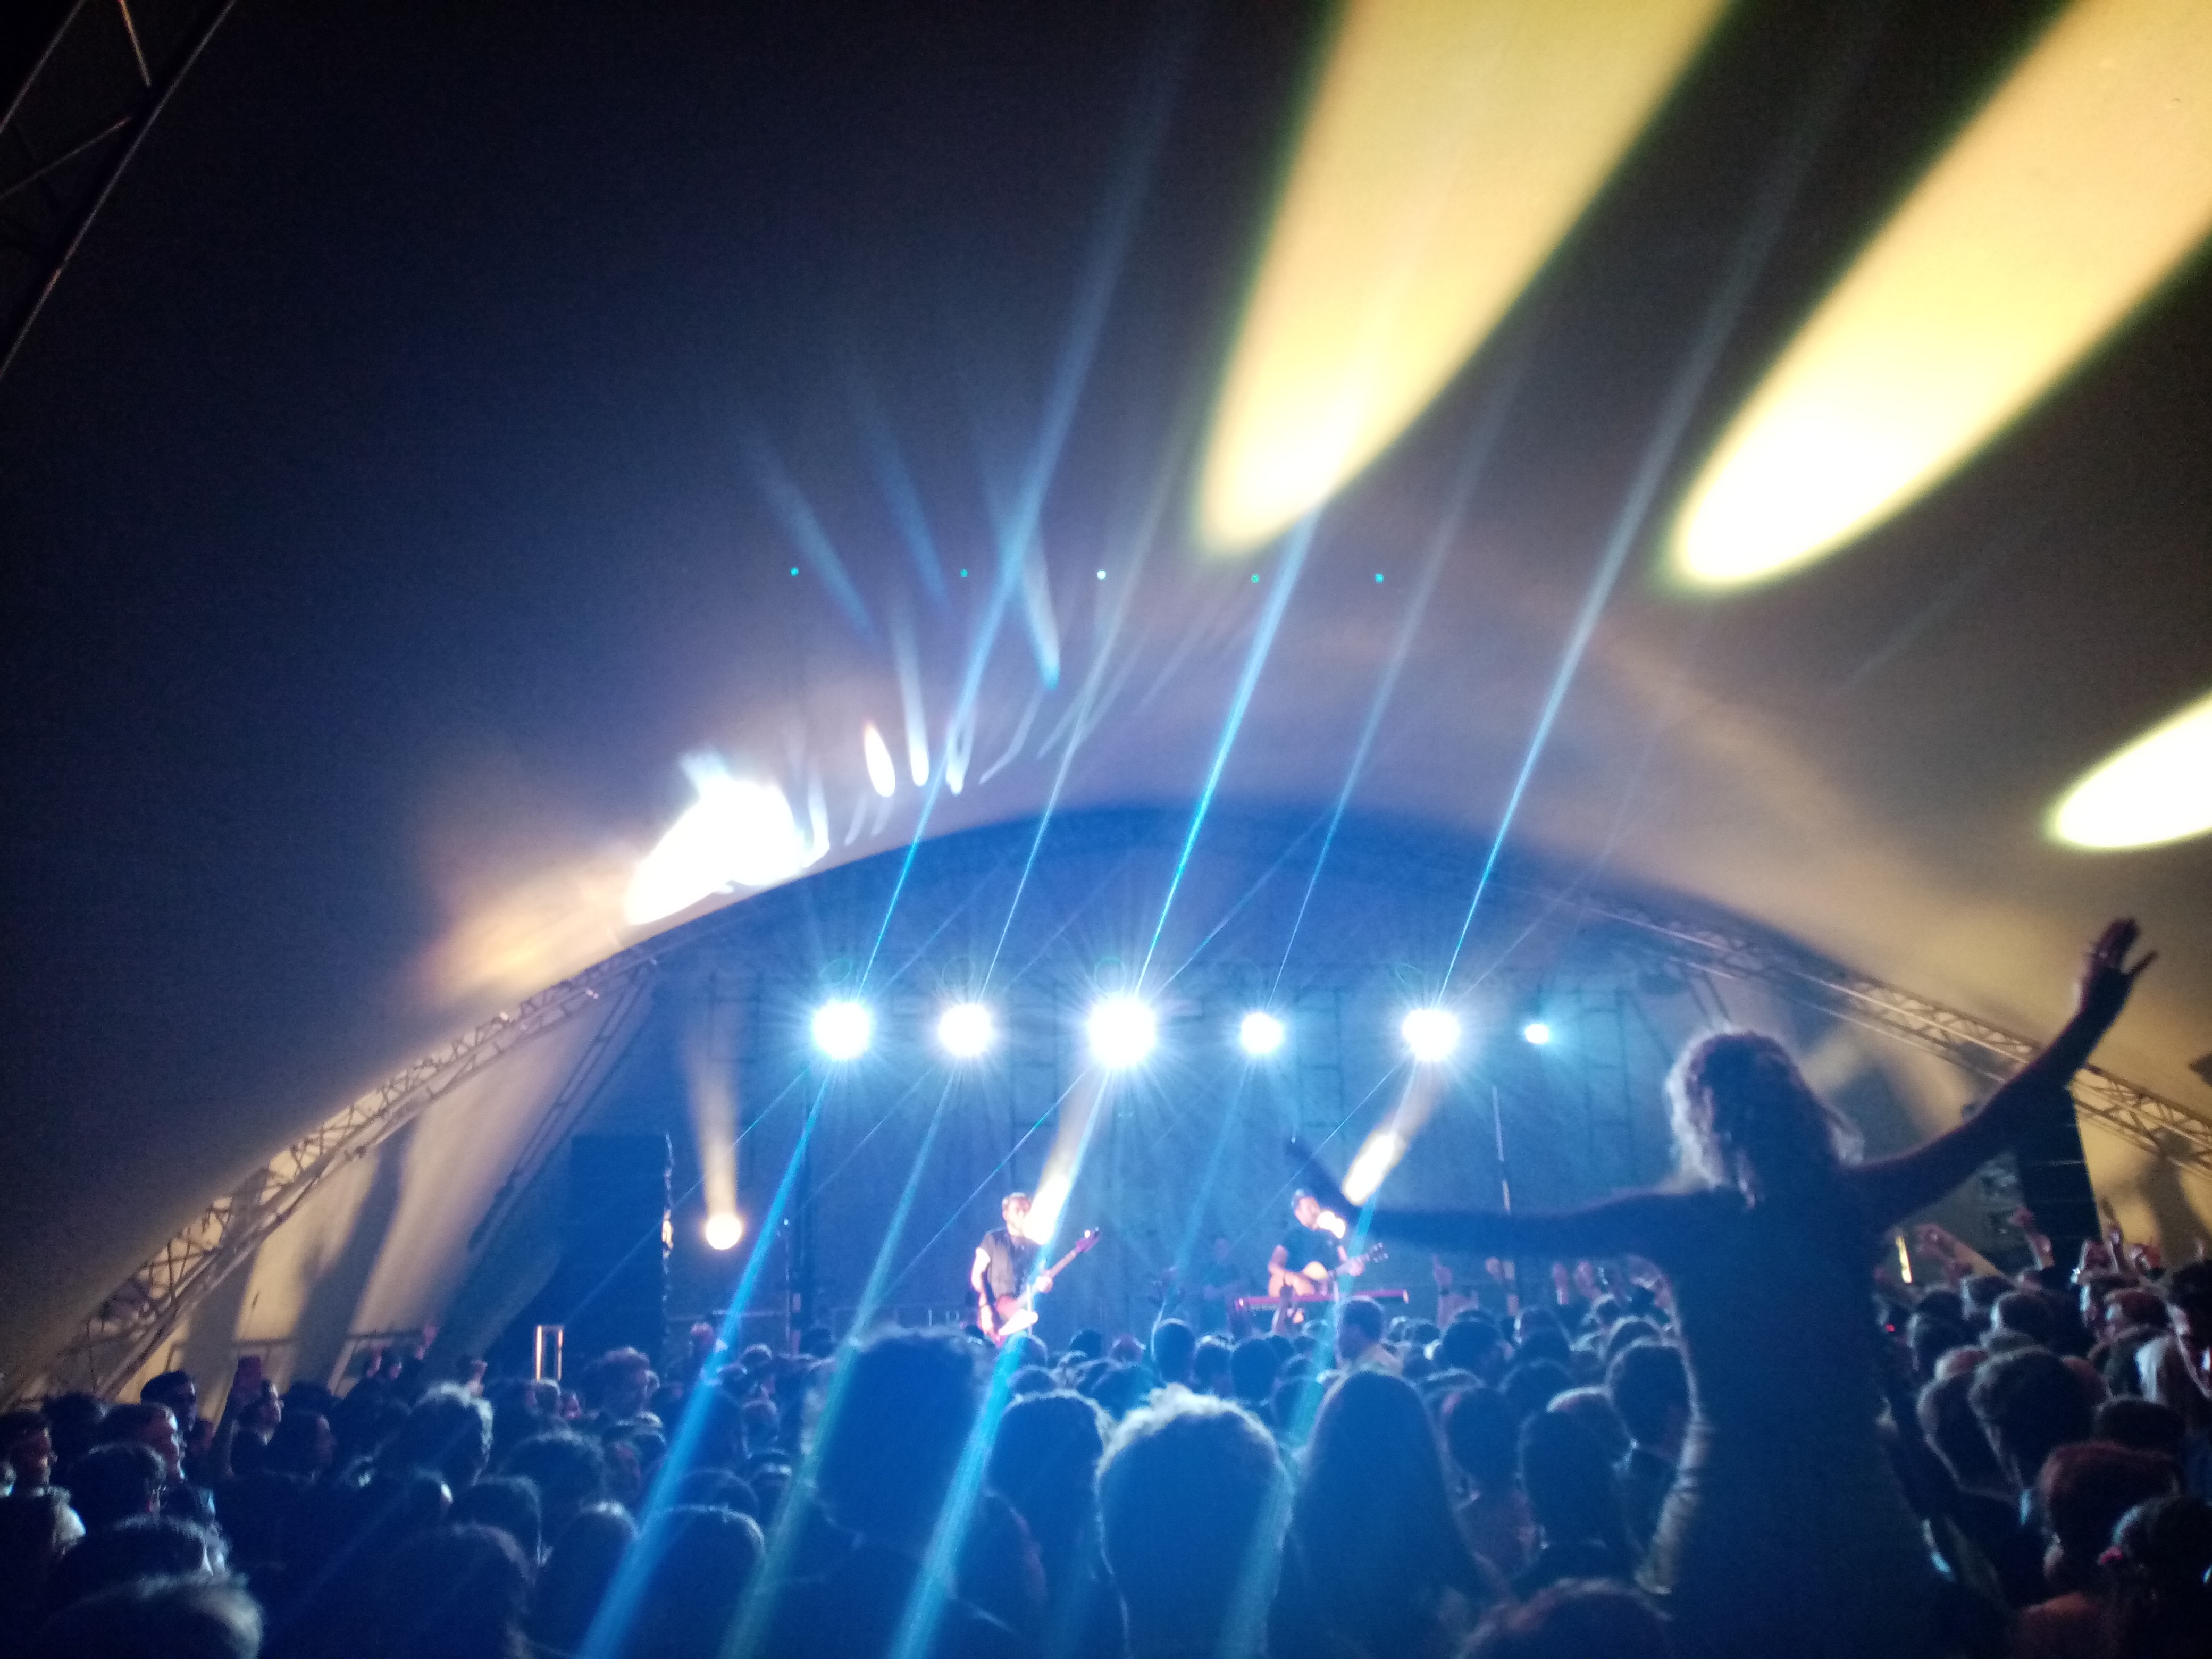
(1263, 640)
(1762, 228)
(788, 503)
(1469, 476)
(1103, 267)
(609, 1624)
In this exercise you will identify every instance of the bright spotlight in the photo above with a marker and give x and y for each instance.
(739, 833)
(724, 1230)
(2082, 185)
(1430, 1033)
(1261, 1033)
(1122, 1031)
(842, 1030)
(2159, 788)
(1450, 146)
(1536, 1031)
(965, 1030)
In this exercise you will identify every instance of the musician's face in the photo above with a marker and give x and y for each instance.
(1018, 1219)
(1307, 1209)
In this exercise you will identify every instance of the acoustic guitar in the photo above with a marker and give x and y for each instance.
(1007, 1316)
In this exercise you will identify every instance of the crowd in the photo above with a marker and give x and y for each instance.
(1766, 1450)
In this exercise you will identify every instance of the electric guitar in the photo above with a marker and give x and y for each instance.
(1316, 1279)
(1005, 1317)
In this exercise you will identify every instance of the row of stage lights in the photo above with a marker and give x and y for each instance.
(1123, 1031)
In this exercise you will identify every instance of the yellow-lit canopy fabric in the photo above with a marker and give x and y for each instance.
(1452, 145)
(2074, 192)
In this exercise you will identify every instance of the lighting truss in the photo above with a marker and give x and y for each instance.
(132, 1323)
(92, 94)
(2135, 1114)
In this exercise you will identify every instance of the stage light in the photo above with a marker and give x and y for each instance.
(1536, 1031)
(1451, 145)
(2159, 788)
(842, 1030)
(724, 1229)
(2081, 186)
(1430, 1033)
(1261, 1033)
(736, 834)
(1122, 1031)
(965, 1030)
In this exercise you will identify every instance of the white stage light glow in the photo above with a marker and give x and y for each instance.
(842, 1030)
(1430, 1033)
(1261, 1033)
(881, 774)
(2159, 788)
(739, 833)
(1536, 1031)
(1122, 1031)
(965, 1030)
(724, 1230)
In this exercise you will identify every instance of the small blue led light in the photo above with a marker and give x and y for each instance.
(1378, 575)
(1256, 575)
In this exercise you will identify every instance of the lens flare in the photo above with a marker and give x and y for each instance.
(966, 1030)
(1122, 1031)
(724, 1229)
(1430, 1033)
(843, 1030)
(1536, 1031)
(1261, 1033)
(2157, 789)
(1451, 145)
(2077, 190)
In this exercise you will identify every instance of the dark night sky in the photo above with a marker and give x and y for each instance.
(382, 503)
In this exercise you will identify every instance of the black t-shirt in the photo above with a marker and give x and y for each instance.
(1303, 1245)
(1008, 1264)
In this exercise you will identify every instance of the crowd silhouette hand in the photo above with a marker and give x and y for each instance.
(2107, 977)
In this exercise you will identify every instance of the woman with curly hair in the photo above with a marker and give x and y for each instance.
(1786, 1530)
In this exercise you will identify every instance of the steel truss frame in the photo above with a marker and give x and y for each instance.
(2134, 1114)
(132, 1324)
(92, 96)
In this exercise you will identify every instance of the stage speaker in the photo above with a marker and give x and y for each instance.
(2054, 1182)
(613, 1284)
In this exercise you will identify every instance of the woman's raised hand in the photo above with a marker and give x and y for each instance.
(2107, 977)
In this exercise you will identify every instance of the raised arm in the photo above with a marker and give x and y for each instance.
(1633, 1224)
(1894, 1188)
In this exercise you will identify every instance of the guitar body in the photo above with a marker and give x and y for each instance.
(1005, 1317)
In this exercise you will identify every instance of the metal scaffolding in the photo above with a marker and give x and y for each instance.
(92, 94)
(130, 1325)
(2135, 1114)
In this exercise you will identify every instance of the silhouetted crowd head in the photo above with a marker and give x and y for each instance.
(1490, 1484)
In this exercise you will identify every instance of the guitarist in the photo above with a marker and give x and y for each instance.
(1004, 1260)
(1307, 1261)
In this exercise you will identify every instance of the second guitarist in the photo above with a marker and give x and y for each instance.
(1312, 1253)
